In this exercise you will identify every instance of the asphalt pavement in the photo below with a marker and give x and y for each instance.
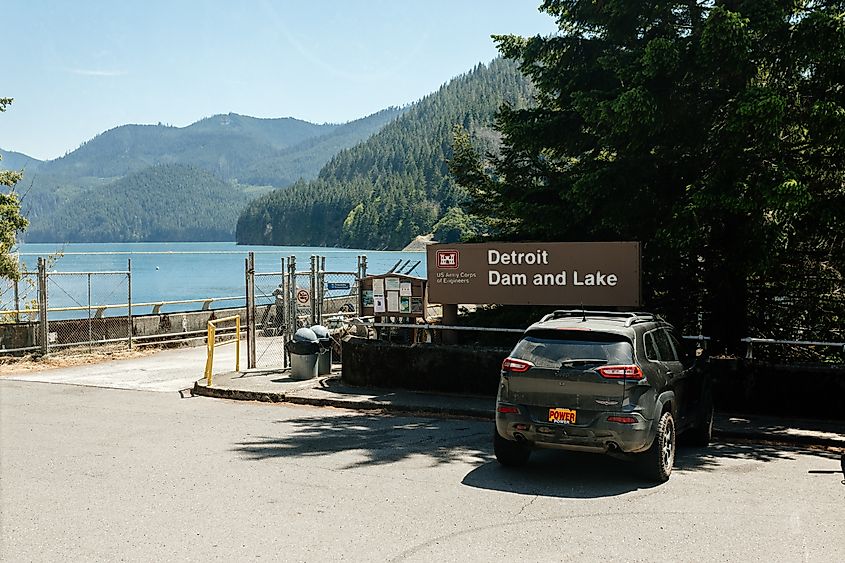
(92, 474)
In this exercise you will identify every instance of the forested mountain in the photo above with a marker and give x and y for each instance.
(396, 185)
(240, 150)
(168, 202)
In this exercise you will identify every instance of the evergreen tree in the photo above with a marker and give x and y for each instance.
(11, 220)
(711, 131)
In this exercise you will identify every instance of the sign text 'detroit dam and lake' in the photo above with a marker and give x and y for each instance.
(558, 273)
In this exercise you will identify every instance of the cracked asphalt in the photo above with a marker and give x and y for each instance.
(92, 474)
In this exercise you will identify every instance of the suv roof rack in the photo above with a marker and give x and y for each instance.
(630, 317)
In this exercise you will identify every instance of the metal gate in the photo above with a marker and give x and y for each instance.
(279, 303)
(267, 329)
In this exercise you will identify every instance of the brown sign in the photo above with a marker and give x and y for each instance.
(557, 273)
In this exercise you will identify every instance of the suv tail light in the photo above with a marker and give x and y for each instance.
(621, 372)
(623, 419)
(512, 365)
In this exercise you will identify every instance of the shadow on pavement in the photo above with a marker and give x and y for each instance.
(376, 440)
(369, 440)
(576, 475)
(561, 474)
(713, 458)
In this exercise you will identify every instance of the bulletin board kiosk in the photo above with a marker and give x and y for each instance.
(394, 296)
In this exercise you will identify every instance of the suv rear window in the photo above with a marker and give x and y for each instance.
(549, 348)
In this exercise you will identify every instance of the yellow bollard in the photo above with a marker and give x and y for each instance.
(210, 359)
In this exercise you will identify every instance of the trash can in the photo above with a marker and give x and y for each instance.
(324, 363)
(304, 352)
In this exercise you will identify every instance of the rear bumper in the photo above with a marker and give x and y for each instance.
(600, 436)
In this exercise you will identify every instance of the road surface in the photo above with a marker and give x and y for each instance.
(92, 474)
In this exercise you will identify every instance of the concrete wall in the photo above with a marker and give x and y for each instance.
(807, 391)
(740, 386)
(423, 367)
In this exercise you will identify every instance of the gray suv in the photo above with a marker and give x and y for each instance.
(604, 382)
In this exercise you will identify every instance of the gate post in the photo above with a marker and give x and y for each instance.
(42, 306)
(360, 305)
(284, 312)
(321, 289)
(129, 301)
(90, 330)
(250, 310)
(314, 269)
(292, 295)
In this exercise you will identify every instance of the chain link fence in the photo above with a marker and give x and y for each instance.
(339, 296)
(19, 299)
(88, 308)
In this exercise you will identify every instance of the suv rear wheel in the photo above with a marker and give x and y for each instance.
(508, 452)
(658, 460)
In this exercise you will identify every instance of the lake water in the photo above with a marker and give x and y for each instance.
(172, 271)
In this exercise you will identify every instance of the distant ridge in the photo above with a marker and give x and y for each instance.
(252, 155)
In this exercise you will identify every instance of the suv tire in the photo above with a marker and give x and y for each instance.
(701, 434)
(658, 460)
(508, 452)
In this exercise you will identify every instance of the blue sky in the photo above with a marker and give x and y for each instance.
(79, 68)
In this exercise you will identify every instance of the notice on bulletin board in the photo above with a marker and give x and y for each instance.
(392, 301)
(405, 289)
(391, 284)
(404, 304)
(378, 287)
(378, 303)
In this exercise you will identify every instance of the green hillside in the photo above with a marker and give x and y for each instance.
(223, 145)
(394, 186)
(169, 202)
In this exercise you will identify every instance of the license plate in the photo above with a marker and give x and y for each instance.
(562, 416)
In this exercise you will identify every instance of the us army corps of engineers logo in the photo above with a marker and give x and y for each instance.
(447, 259)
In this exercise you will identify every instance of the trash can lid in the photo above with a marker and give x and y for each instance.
(305, 335)
(321, 332)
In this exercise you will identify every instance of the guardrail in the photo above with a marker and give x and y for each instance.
(156, 306)
(749, 353)
(212, 329)
(749, 341)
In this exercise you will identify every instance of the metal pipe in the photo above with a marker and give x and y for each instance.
(129, 301)
(42, 306)
(414, 267)
(17, 303)
(90, 332)
(750, 340)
